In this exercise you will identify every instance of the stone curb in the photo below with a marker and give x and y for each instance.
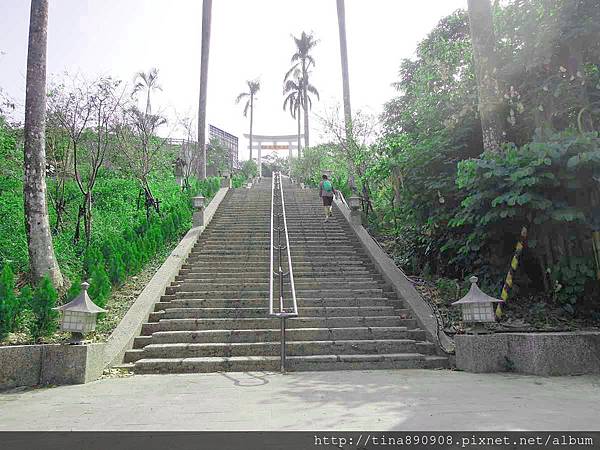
(545, 354)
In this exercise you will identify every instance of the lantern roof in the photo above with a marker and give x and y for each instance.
(82, 303)
(476, 295)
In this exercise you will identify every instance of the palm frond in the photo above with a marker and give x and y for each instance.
(241, 96)
(313, 90)
(254, 86)
(246, 108)
(290, 86)
(292, 70)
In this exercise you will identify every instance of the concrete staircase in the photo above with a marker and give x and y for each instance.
(214, 317)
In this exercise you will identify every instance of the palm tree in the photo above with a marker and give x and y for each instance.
(253, 88)
(341, 12)
(42, 260)
(294, 88)
(206, 19)
(147, 81)
(345, 77)
(302, 60)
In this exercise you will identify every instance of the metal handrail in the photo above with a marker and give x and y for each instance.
(277, 194)
(342, 199)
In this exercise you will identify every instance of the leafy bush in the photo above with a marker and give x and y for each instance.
(249, 169)
(43, 300)
(550, 186)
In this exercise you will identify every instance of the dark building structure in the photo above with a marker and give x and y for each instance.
(229, 141)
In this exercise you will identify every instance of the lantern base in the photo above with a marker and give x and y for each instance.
(76, 338)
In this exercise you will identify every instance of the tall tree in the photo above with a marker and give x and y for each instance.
(293, 89)
(253, 88)
(341, 12)
(483, 40)
(147, 81)
(41, 251)
(206, 18)
(302, 60)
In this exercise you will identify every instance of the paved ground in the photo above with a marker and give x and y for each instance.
(351, 400)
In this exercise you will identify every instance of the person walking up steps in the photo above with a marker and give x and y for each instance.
(326, 192)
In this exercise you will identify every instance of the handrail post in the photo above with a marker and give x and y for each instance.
(282, 366)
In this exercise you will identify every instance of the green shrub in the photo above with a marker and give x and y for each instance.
(74, 290)
(44, 322)
(10, 307)
(99, 290)
(92, 258)
(239, 180)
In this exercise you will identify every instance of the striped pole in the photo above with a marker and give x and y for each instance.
(508, 283)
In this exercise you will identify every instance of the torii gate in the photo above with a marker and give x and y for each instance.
(287, 142)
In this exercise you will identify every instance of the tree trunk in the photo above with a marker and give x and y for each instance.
(39, 239)
(299, 132)
(305, 97)
(251, 120)
(484, 54)
(341, 11)
(87, 217)
(206, 18)
(344, 58)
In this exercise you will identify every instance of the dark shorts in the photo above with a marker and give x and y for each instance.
(327, 201)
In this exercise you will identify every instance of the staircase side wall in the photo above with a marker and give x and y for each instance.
(397, 279)
(130, 326)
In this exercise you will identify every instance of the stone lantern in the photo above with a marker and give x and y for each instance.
(354, 202)
(226, 181)
(198, 216)
(355, 213)
(477, 307)
(79, 315)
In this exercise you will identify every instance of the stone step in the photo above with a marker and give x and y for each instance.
(269, 322)
(261, 302)
(272, 335)
(297, 363)
(299, 283)
(243, 279)
(293, 348)
(256, 247)
(335, 311)
(264, 271)
(256, 293)
(300, 261)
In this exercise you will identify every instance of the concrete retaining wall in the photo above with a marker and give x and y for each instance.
(29, 365)
(530, 353)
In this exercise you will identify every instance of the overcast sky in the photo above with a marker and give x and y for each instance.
(250, 39)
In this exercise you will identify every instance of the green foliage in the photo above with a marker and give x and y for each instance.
(44, 321)
(249, 169)
(238, 180)
(100, 287)
(570, 277)
(10, 306)
(74, 289)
